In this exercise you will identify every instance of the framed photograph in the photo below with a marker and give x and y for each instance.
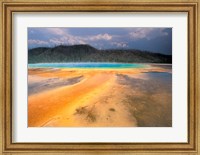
(86, 77)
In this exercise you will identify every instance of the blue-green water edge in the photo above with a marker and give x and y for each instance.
(87, 65)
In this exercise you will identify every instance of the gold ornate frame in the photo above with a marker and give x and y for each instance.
(9, 7)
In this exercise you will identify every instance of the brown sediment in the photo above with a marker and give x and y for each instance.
(98, 99)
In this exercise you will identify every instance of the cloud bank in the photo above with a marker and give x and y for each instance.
(152, 39)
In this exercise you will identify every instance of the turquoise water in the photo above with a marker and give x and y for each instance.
(87, 65)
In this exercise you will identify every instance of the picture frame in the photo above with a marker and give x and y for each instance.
(11, 7)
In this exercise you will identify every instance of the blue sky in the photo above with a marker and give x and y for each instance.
(150, 39)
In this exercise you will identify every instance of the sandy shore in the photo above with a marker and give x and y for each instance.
(99, 97)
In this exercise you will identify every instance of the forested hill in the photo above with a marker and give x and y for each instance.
(87, 53)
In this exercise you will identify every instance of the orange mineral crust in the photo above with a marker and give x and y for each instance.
(98, 97)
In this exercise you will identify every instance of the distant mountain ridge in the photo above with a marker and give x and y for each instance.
(87, 53)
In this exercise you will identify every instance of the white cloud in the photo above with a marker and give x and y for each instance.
(100, 37)
(147, 33)
(62, 36)
(82, 42)
(120, 44)
(68, 39)
(38, 42)
(57, 31)
(56, 41)
(71, 40)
